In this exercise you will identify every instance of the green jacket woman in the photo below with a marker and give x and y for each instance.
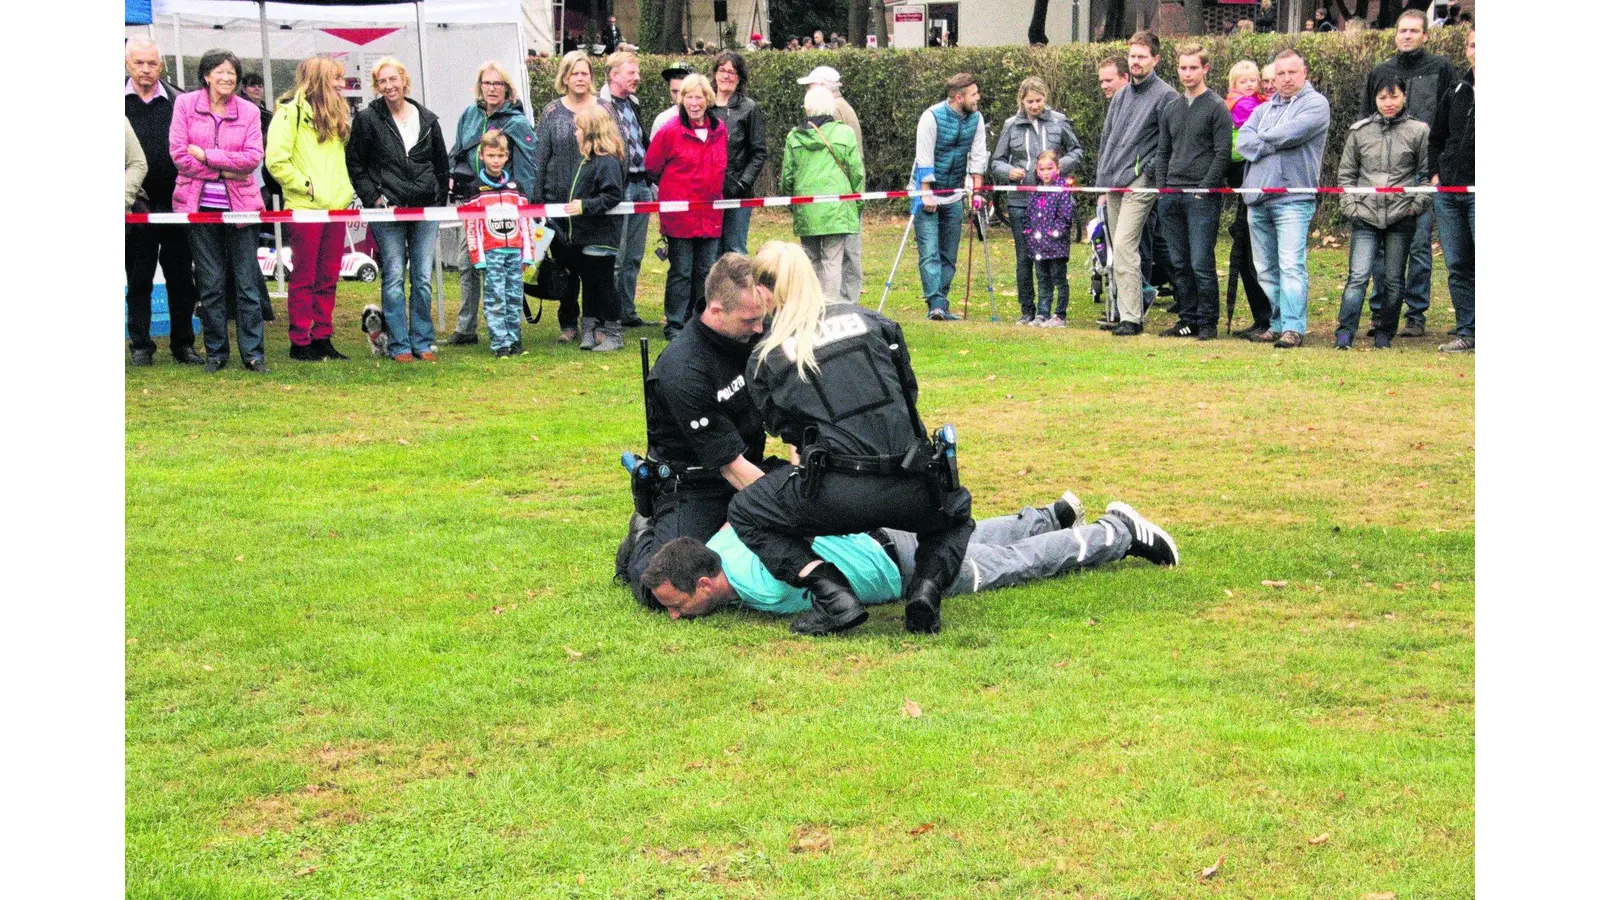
(821, 157)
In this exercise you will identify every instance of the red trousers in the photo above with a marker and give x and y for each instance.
(317, 249)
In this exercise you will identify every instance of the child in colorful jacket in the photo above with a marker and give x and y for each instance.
(1050, 240)
(1244, 95)
(500, 244)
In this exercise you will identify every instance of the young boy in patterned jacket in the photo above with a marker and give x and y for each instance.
(1050, 241)
(500, 244)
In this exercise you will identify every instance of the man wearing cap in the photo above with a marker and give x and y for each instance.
(673, 75)
(850, 277)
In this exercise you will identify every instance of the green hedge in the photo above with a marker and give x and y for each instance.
(890, 88)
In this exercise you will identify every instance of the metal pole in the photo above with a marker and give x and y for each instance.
(422, 51)
(177, 51)
(266, 56)
(898, 253)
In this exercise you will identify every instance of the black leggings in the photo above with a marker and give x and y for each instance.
(597, 276)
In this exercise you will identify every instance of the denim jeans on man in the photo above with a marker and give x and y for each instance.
(217, 249)
(735, 232)
(938, 246)
(1190, 223)
(402, 245)
(688, 263)
(1019, 240)
(1418, 271)
(1458, 235)
(1278, 230)
(1368, 244)
(631, 254)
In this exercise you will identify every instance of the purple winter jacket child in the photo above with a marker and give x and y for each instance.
(1050, 223)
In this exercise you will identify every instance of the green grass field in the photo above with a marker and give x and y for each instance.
(373, 648)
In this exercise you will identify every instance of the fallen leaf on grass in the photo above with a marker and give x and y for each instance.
(810, 839)
(496, 610)
(1059, 665)
(1228, 592)
(912, 710)
(304, 872)
(1091, 623)
(1211, 870)
(573, 655)
(962, 352)
(1319, 839)
(924, 828)
(404, 442)
(1435, 587)
(208, 668)
(1275, 584)
(1383, 895)
(239, 558)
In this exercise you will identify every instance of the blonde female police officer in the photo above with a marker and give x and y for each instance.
(835, 381)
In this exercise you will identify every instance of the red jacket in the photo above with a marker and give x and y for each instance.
(688, 168)
(503, 228)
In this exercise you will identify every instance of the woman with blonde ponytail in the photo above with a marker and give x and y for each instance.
(834, 379)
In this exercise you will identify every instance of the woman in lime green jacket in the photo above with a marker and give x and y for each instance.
(305, 153)
(821, 157)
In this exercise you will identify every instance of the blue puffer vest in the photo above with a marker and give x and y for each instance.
(952, 145)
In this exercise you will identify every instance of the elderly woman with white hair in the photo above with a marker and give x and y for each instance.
(821, 157)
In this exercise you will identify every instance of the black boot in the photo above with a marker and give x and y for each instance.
(834, 606)
(324, 346)
(922, 608)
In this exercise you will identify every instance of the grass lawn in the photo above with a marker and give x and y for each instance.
(373, 648)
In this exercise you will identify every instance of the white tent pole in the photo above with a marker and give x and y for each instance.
(266, 55)
(177, 50)
(422, 50)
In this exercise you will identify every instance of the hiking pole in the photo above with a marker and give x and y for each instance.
(898, 253)
(1233, 292)
(981, 226)
(968, 295)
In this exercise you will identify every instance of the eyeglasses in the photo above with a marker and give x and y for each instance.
(490, 84)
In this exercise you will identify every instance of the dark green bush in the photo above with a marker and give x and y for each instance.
(890, 88)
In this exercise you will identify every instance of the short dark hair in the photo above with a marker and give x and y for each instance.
(1417, 14)
(681, 562)
(958, 82)
(254, 79)
(1386, 80)
(730, 278)
(1121, 62)
(213, 58)
(730, 56)
(1147, 40)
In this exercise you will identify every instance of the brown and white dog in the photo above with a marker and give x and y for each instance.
(377, 329)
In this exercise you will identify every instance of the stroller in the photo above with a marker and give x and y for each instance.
(1102, 277)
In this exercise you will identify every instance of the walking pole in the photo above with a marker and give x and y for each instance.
(898, 253)
(1233, 291)
(988, 266)
(968, 294)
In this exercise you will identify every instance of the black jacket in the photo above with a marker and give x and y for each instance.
(598, 182)
(1195, 145)
(151, 122)
(1451, 150)
(1427, 77)
(747, 144)
(380, 166)
(698, 410)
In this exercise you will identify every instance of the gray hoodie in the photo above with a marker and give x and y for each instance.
(1282, 145)
(1131, 133)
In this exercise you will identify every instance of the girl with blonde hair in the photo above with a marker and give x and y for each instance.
(590, 237)
(306, 154)
(835, 381)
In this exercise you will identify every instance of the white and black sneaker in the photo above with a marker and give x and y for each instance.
(1068, 510)
(1149, 540)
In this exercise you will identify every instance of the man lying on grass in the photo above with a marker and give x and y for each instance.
(687, 578)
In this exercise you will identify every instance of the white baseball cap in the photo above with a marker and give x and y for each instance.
(827, 75)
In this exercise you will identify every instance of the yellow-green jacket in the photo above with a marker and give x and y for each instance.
(312, 174)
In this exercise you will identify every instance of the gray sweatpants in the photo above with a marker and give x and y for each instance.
(850, 277)
(826, 253)
(1027, 546)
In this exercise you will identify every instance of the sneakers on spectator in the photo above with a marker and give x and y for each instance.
(1054, 322)
(1040, 320)
(1205, 333)
(1149, 540)
(503, 353)
(429, 356)
(516, 348)
(1181, 329)
(1341, 341)
(216, 363)
(1381, 341)
(258, 366)
(1266, 337)
(1068, 510)
(457, 339)
(567, 336)
(586, 335)
(188, 357)
(1459, 345)
(143, 358)
(1025, 320)
(1289, 340)
(1414, 328)
(1249, 334)
(1127, 329)
(608, 338)
(940, 314)
(404, 358)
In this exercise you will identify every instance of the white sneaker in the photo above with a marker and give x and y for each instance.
(1054, 322)
(1068, 510)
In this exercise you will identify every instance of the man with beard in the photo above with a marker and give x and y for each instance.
(952, 145)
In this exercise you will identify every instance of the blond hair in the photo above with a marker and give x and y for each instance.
(696, 82)
(494, 139)
(330, 114)
(386, 62)
(619, 59)
(820, 102)
(797, 301)
(600, 135)
(512, 97)
(1244, 68)
(1033, 84)
(568, 63)
(1193, 48)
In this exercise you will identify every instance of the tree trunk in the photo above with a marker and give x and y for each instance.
(672, 26)
(1036, 33)
(856, 29)
(1115, 25)
(880, 24)
(1196, 16)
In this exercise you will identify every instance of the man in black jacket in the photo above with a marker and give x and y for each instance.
(1451, 153)
(1193, 150)
(147, 102)
(1428, 77)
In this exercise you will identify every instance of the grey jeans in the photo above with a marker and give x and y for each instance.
(1027, 546)
(1126, 213)
(471, 289)
(850, 279)
(631, 254)
(826, 253)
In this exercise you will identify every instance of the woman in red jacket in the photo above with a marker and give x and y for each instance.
(689, 158)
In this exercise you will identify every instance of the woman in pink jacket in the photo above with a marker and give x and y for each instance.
(689, 157)
(215, 142)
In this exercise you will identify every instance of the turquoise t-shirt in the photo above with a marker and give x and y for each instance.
(874, 576)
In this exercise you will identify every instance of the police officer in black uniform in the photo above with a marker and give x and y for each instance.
(702, 426)
(835, 381)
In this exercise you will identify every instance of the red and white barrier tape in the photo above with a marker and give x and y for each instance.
(558, 211)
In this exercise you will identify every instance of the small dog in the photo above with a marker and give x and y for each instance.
(377, 329)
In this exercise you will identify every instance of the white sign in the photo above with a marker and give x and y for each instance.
(910, 27)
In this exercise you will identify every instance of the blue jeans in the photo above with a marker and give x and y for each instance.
(217, 249)
(1278, 230)
(1189, 222)
(1368, 244)
(688, 263)
(402, 244)
(735, 232)
(938, 247)
(502, 297)
(631, 254)
(1019, 240)
(1418, 270)
(1458, 234)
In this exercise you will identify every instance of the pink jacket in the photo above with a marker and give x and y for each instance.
(1240, 106)
(232, 145)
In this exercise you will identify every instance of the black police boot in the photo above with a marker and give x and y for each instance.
(922, 608)
(834, 606)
